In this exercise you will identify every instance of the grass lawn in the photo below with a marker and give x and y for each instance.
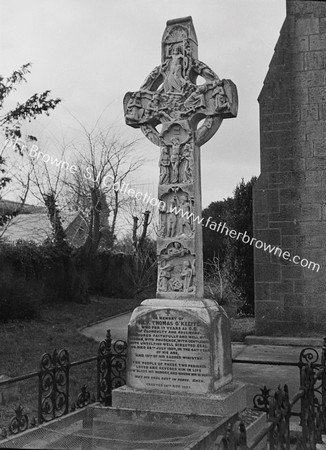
(23, 343)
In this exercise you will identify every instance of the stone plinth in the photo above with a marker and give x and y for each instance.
(179, 359)
(225, 402)
(179, 345)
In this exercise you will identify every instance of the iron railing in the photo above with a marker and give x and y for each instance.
(54, 384)
(54, 397)
(279, 408)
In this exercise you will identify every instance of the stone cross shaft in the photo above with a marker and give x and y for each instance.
(188, 115)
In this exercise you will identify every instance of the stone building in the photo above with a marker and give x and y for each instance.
(290, 195)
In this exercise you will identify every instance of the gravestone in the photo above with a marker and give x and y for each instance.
(289, 196)
(179, 350)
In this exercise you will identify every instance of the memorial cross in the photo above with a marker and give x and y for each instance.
(179, 116)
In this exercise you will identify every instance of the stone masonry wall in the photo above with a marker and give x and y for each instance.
(290, 194)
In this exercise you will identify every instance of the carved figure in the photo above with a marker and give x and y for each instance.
(187, 276)
(203, 70)
(186, 59)
(151, 78)
(175, 159)
(165, 276)
(172, 218)
(185, 219)
(162, 229)
(155, 110)
(164, 165)
(151, 133)
(174, 80)
(167, 54)
(175, 249)
(196, 99)
(187, 158)
(221, 100)
(204, 129)
(135, 108)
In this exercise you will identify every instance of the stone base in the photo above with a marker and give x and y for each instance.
(227, 401)
(178, 345)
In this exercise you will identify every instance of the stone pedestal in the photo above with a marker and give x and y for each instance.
(179, 359)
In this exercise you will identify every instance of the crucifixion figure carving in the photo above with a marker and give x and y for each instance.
(188, 114)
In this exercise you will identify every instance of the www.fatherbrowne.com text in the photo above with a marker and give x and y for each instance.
(245, 238)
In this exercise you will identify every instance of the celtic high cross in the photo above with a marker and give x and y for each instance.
(171, 98)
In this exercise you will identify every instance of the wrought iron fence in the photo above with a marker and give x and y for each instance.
(54, 398)
(279, 408)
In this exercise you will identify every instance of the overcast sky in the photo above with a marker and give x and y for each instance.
(91, 52)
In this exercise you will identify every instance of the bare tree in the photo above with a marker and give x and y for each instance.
(141, 221)
(90, 182)
(139, 243)
(218, 285)
(142, 270)
(105, 163)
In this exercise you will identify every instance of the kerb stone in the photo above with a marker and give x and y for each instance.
(225, 402)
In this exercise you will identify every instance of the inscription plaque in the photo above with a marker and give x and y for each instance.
(169, 349)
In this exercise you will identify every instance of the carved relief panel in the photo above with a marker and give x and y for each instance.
(176, 218)
(170, 92)
(176, 163)
(177, 272)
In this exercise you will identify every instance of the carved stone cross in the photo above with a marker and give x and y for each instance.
(188, 115)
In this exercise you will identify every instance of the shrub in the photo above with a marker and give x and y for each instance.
(217, 286)
(235, 257)
(19, 299)
(29, 275)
